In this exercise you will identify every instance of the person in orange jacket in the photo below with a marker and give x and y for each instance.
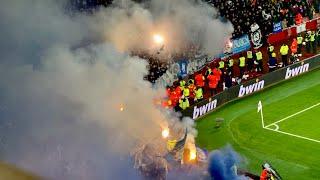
(264, 174)
(298, 19)
(213, 83)
(294, 46)
(200, 80)
(217, 72)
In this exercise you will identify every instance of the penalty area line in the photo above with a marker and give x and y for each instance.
(289, 134)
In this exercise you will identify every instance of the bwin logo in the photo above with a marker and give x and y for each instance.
(202, 110)
(245, 90)
(296, 71)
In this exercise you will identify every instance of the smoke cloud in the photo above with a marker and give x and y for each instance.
(61, 94)
(222, 164)
(179, 22)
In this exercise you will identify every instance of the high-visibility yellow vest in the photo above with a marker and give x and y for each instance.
(182, 83)
(274, 55)
(242, 61)
(230, 63)
(221, 64)
(299, 39)
(284, 50)
(186, 92)
(270, 48)
(184, 104)
(249, 55)
(312, 37)
(199, 93)
(259, 55)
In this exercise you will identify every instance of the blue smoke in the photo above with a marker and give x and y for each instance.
(221, 164)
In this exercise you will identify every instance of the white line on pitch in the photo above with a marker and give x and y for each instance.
(302, 137)
(293, 115)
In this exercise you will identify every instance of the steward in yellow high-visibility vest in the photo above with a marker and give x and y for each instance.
(313, 42)
(221, 65)
(230, 63)
(242, 64)
(242, 61)
(270, 50)
(208, 72)
(182, 84)
(186, 92)
(259, 57)
(184, 103)
(284, 50)
(250, 60)
(307, 40)
(199, 94)
(299, 42)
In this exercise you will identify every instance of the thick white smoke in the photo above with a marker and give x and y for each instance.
(60, 106)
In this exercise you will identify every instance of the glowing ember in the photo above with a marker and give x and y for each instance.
(165, 133)
(158, 39)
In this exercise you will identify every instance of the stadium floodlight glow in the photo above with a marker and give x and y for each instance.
(158, 39)
(165, 133)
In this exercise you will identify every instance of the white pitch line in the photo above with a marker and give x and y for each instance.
(294, 135)
(293, 115)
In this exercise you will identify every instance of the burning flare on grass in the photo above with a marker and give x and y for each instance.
(193, 154)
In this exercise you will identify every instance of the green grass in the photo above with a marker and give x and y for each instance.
(294, 158)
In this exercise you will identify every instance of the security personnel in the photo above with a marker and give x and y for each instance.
(250, 60)
(307, 40)
(221, 65)
(186, 92)
(259, 57)
(270, 50)
(318, 37)
(182, 84)
(242, 65)
(313, 42)
(299, 42)
(284, 50)
(199, 94)
(272, 63)
(184, 103)
(230, 66)
(208, 72)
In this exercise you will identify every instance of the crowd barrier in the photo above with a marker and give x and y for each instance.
(206, 106)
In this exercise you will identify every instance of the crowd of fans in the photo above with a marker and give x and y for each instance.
(224, 73)
(244, 13)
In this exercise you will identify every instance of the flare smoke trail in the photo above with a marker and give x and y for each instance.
(221, 164)
(59, 105)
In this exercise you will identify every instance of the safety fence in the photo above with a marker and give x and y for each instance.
(255, 85)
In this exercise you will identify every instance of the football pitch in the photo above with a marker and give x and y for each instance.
(288, 137)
